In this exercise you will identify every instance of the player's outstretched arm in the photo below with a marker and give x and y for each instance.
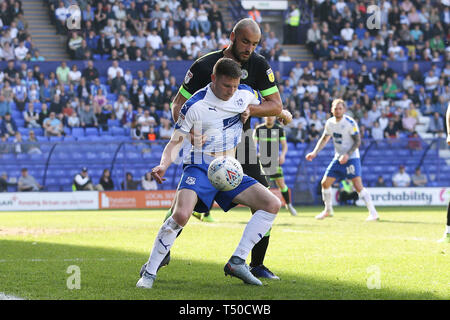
(321, 143)
(169, 155)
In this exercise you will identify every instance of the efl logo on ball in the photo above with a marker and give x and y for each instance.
(225, 173)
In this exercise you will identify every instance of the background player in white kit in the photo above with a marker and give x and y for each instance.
(216, 111)
(346, 162)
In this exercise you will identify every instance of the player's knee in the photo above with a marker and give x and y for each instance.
(181, 216)
(273, 205)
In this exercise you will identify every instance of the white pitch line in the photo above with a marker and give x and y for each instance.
(9, 297)
(66, 260)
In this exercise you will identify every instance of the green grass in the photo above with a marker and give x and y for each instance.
(329, 259)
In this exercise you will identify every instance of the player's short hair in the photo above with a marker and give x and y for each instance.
(336, 102)
(227, 67)
(246, 23)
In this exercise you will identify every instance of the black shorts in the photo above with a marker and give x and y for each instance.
(254, 171)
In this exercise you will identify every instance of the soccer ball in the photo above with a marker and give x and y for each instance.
(225, 173)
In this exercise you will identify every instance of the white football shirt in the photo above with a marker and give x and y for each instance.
(219, 120)
(342, 132)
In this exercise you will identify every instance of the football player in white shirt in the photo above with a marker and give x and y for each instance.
(220, 109)
(346, 162)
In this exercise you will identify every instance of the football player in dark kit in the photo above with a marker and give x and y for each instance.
(270, 135)
(257, 73)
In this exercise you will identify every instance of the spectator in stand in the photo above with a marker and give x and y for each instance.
(418, 179)
(21, 51)
(129, 183)
(313, 36)
(391, 131)
(30, 116)
(53, 126)
(82, 182)
(136, 133)
(380, 182)
(27, 182)
(62, 73)
(106, 181)
(74, 43)
(87, 116)
(90, 73)
(166, 130)
(401, 178)
(436, 125)
(255, 14)
(148, 183)
(5, 106)
(73, 120)
(20, 95)
(4, 182)
(74, 75)
(8, 126)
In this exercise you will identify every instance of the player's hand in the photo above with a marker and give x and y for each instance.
(281, 160)
(343, 159)
(158, 173)
(310, 156)
(245, 115)
(285, 117)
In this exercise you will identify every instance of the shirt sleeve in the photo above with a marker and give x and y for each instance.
(354, 130)
(186, 119)
(266, 83)
(327, 129)
(194, 80)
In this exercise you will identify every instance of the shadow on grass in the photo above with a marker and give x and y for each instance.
(40, 271)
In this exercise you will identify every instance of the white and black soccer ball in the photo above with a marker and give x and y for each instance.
(225, 173)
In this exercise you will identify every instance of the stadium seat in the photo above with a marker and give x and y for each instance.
(117, 131)
(91, 132)
(77, 132)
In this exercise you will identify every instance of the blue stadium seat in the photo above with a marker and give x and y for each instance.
(91, 132)
(77, 132)
(117, 131)
(113, 123)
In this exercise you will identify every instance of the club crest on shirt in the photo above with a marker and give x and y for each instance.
(190, 180)
(244, 74)
(239, 102)
(188, 77)
(270, 75)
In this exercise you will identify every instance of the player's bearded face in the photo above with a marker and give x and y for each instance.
(338, 111)
(243, 45)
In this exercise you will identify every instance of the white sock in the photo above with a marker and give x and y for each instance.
(326, 197)
(163, 242)
(365, 195)
(448, 229)
(260, 222)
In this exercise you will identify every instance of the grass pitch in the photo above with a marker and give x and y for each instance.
(342, 257)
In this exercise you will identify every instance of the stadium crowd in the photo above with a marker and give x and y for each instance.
(386, 104)
(408, 30)
(142, 30)
(15, 41)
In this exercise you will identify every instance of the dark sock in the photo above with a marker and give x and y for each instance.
(285, 194)
(448, 214)
(206, 214)
(259, 251)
